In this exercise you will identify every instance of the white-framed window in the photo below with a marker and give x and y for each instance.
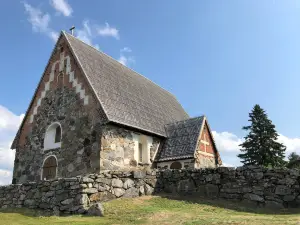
(140, 156)
(142, 148)
(53, 136)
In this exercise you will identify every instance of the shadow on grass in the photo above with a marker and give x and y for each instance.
(30, 212)
(157, 205)
(239, 206)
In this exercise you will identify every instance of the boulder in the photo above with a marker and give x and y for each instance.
(87, 180)
(96, 210)
(104, 180)
(102, 197)
(142, 190)
(117, 183)
(152, 182)
(254, 197)
(282, 190)
(211, 190)
(186, 186)
(90, 190)
(148, 189)
(128, 183)
(289, 198)
(131, 193)
(139, 174)
(29, 202)
(118, 192)
(67, 201)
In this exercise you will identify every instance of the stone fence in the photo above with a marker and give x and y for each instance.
(260, 186)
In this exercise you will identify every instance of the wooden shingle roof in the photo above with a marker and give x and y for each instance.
(182, 139)
(127, 97)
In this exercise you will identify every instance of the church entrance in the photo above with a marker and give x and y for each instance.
(49, 168)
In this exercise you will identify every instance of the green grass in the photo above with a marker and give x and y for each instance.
(161, 210)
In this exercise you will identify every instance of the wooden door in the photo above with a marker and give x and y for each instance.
(49, 168)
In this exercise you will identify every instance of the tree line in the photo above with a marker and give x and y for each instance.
(261, 146)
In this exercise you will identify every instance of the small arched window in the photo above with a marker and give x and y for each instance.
(176, 165)
(57, 134)
(53, 136)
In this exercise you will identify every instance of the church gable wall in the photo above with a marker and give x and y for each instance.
(63, 96)
(205, 153)
(120, 148)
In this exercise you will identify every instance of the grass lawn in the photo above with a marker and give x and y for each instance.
(161, 210)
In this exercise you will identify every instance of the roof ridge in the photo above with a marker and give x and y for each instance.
(67, 34)
(84, 73)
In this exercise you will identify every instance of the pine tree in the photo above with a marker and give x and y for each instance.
(260, 146)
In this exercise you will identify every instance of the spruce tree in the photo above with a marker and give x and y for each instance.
(260, 146)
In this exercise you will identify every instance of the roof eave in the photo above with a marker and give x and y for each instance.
(175, 158)
(138, 128)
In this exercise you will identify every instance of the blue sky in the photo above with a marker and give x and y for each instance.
(218, 58)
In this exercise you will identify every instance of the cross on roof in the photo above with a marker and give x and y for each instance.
(72, 30)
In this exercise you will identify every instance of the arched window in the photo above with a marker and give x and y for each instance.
(49, 169)
(53, 136)
(176, 165)
(57, 134)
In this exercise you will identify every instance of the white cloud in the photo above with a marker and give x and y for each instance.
(108, 31)
(125, 49)
(228, 145)
(62, 6)
(9, 125)
(87, 34)
(227, 142)
(7, 157)
(292, 144)
(5, 177)
(125, 60)
(54, 35)
(8, 120)
(40, 21)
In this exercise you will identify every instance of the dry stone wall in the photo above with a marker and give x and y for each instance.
(273, 188)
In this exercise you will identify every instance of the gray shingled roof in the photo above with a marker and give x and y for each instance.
(182, 139)
(127, 97)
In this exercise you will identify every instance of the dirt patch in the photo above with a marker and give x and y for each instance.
(161, 217)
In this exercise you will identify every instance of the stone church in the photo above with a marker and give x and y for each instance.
(90, 113)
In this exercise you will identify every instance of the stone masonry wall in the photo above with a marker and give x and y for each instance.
(118, 148)
(81, 124)
(79, 153)
(259, 186)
